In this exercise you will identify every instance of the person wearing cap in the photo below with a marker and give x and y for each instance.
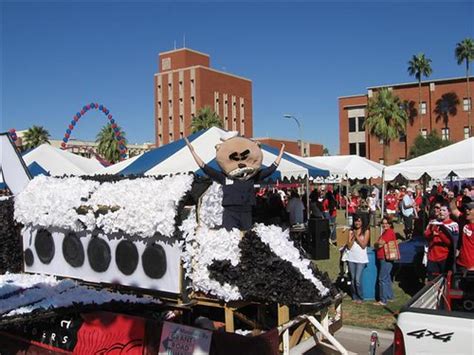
(408, 212)
(465, 260)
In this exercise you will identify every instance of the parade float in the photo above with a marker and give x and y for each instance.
(107, 254)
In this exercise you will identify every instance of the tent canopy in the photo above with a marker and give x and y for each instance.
(13, 170)
(60, 162)
(176, 158)
(457, 158)
(349, 166)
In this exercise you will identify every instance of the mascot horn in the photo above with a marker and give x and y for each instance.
(240, 160)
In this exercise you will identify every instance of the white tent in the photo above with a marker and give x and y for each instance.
(349, 166)
(458, 158)
(176, 158)
(60, 162)
(13, 170)
(117, 167)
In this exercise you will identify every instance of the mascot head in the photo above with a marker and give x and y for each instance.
(239, 158)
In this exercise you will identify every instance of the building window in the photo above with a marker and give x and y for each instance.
(362, 149)
(171, 136)
(380, 140)
(402, 138)
(360, 122)
(424, 132)
(352, 124)
(466, 104)
(445, 134)
(192, 100)
(181, 135)
(159, 105)
(466, 132)
(159, 120)
(170, 102)
(181, 119)
(423, 108)
(352, 148)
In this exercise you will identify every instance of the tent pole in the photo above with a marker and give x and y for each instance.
(347, 199)
(383, 197)
(307, 198)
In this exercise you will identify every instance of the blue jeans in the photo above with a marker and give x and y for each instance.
(385, 281)
(356, 270)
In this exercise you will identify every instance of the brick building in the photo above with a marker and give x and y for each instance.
(185, 83)
(293, 147)
(444, 108)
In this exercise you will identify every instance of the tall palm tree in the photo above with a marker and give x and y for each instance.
(465, 52)
(108, 146)
(205, 118)
(386, 118)
(419, 66)
(446, 106)
(35, 136)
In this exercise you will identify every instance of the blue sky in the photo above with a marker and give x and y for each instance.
(301, 56)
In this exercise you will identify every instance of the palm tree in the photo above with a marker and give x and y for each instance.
(446, 106)
(386, 118)
(108, 146)
(206, 118)
(35, 136)
(419, 66)
(465, 52)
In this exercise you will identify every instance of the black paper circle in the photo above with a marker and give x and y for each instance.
(73, 251)
(98, 253)
(154, 261)
(44, 246)
(29, 257)
(126, 257)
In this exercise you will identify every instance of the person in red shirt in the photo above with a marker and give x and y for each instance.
(418, 198)
(465, 259)
(391, 201)
(353, 203)
(384, 266)
(442, 235)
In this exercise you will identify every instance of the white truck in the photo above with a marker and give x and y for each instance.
(439, 319)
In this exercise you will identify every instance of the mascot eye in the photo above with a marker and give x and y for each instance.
(244, 154)
(234, 156)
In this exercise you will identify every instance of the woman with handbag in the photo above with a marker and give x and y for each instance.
(387, 252)
(357, 257)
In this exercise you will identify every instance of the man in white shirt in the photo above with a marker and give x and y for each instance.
(373, 206)
(408, 212)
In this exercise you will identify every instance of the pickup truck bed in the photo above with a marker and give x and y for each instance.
(439, 319)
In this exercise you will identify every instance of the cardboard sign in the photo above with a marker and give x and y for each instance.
(177, 339)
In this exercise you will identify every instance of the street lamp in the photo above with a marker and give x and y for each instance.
(300, 131)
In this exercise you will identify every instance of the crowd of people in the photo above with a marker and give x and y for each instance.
(442, 217)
